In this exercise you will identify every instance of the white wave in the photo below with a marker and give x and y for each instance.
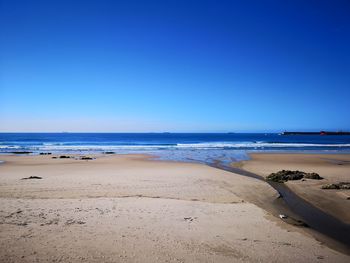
(203, 146)
(10, 147)
(256, 144)
(50, 144)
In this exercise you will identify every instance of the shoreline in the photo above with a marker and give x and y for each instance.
(78, 194)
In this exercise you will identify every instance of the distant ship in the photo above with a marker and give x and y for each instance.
(316, 133)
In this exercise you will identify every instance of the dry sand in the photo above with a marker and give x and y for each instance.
(333, 168)
(132, 209)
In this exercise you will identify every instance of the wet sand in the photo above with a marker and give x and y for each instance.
(333, 168)
(127, 208)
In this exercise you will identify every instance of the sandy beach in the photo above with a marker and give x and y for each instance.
(334, 168)
(129, 208)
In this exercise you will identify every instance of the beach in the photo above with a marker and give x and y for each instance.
(131, 208)
(174, 131)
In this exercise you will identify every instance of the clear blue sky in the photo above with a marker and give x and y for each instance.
(206, 66)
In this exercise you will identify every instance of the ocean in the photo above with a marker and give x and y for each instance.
(193, 147)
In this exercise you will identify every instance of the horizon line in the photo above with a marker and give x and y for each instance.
(169, 132)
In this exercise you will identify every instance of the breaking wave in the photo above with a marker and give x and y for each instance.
(180, 146)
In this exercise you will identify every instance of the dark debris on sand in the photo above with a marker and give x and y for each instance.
(86, 158)
(31, 177)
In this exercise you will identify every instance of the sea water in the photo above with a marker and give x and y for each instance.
(195, 147)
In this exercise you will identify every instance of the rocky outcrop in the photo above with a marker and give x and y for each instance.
(341, 185)
(287, 175)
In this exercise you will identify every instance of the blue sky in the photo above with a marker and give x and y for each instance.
(206, 66)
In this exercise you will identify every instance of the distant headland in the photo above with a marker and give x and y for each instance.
(316, 133)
